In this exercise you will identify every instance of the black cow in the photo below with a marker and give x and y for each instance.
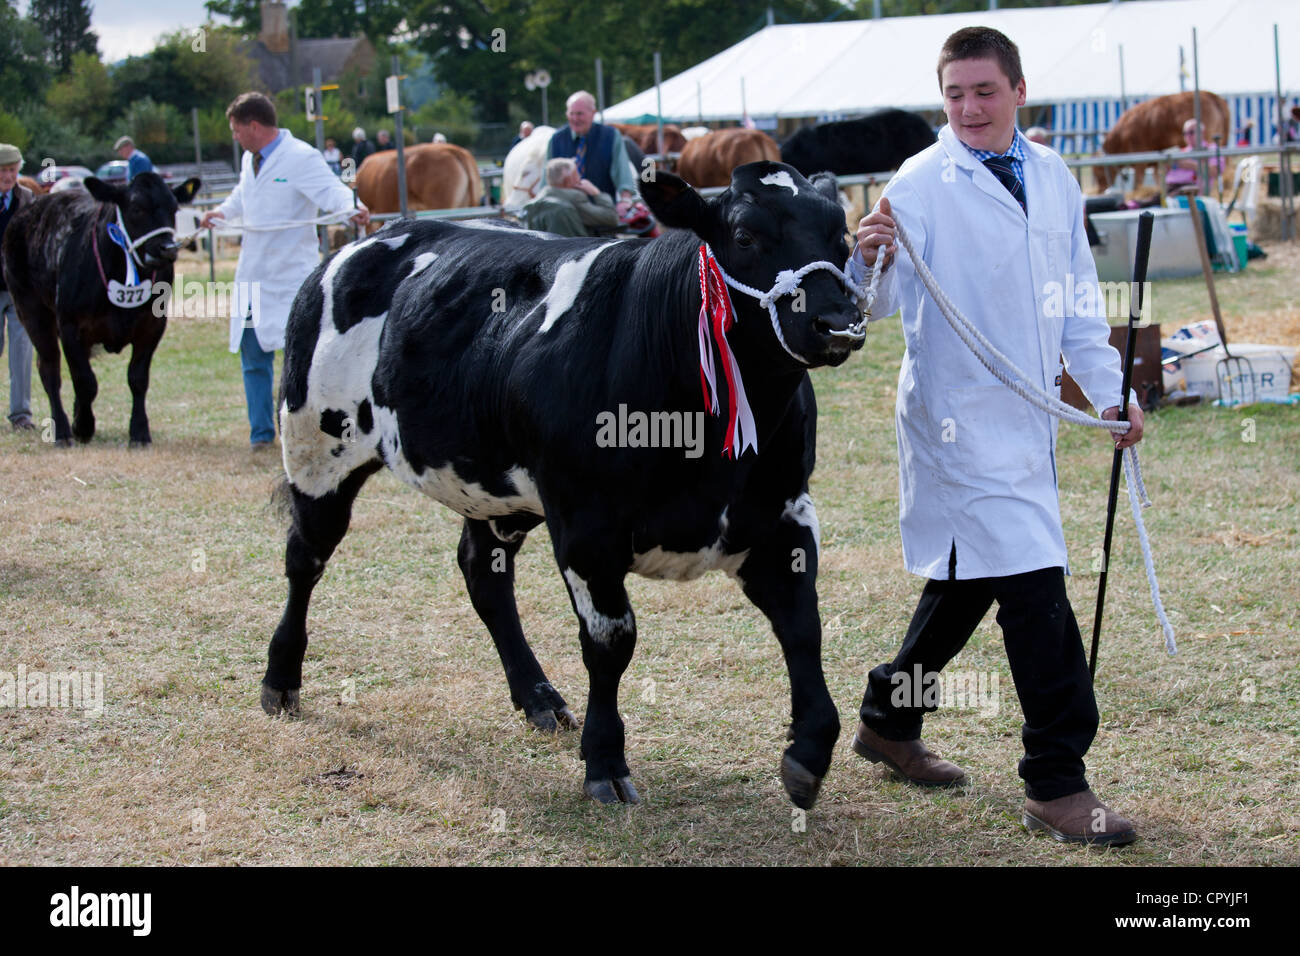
(59, 262)
(485, 366)
(874, 143)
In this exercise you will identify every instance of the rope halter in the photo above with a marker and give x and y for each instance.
(787, 282)
(130, 244)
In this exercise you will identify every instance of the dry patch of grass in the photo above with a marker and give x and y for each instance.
(161, 570)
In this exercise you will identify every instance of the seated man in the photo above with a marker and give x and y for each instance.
(1184, 172)
(569, 205)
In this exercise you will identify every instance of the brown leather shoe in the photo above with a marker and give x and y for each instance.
(1079, 818)
(910, 759)
(22, 423)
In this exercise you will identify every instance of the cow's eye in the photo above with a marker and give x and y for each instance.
(744, 239)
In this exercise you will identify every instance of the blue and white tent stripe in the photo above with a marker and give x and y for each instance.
(1080, 127)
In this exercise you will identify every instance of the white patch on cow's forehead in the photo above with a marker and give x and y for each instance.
(421, 262)
(601, 628)
(569, 279)
(780, 178)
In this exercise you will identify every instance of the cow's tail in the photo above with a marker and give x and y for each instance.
(281, 501)
(471, 171)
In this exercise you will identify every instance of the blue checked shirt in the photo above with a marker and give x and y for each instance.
(1016, 154)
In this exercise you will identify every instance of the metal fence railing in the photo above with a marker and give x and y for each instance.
(1289, 156)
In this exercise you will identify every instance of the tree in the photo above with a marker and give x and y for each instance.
(23, 73)
(187, 68)
(244, 15)
(13, 131)
(376, 19)
(66, 26)
(484, 48)
(83, 96)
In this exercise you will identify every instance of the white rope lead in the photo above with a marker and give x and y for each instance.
(1006, 372)
(222, 226)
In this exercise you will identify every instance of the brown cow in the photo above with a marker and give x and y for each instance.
(708, 160)
(1158, 124)
(646, 136)
(438, 176)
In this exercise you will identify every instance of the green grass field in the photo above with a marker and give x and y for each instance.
(162, 571)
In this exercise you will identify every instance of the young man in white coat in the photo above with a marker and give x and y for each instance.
(999, 220)
(282, 180)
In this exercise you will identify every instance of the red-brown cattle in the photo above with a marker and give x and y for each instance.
(438, 176)
(1158, 124)
(709, 160)
(646, 136)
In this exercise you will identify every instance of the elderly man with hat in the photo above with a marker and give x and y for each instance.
(12, 198)
(136, 161)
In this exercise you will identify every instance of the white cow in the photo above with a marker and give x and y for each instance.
(522, 173)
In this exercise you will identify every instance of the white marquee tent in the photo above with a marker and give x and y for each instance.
(1071, 58)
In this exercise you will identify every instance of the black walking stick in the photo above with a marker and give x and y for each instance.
(1145, 222)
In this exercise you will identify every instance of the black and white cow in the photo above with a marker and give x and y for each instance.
(484, 365)
(62, 267)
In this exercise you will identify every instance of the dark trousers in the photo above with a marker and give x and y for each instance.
(1047, 661)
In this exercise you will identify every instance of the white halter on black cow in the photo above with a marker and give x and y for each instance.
(717, 316)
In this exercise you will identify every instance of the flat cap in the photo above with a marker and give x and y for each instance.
(123, 141)
(10, 154)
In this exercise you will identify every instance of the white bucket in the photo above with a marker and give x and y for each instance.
(1271, 365)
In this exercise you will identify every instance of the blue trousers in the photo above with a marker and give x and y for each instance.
(259, 375)
(20, 360)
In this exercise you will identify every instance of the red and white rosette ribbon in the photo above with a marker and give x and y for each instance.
(717, 316)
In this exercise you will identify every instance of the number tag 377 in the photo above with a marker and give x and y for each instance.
(129, 296)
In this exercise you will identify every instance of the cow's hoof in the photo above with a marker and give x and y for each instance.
(553, 721)
(546, 710)
(611, 791)
(800, 783)
(63, 443)
(140, 443)
(277, 702)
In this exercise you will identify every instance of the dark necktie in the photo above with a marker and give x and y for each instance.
(580, 155)
(1000, 166)
(4, 206)
(257, 162)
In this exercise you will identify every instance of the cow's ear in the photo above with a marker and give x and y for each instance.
(827, 185)
(676, 204)
(105, 192)
(184, 193)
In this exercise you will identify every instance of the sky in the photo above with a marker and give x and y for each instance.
(130, 27)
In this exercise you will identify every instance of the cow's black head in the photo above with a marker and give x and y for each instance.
(770, 220)
(147, 204)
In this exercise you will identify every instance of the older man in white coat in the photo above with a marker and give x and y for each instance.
(999, 220)
(282, 180)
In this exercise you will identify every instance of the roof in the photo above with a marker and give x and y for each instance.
(1068, 53)
(331, 55)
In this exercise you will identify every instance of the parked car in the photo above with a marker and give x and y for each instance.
(113, 172)
(50, 175)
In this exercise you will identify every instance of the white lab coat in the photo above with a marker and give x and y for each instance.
(977, 463)
(293, 185)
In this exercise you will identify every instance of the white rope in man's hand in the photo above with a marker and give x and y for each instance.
(1005, 371)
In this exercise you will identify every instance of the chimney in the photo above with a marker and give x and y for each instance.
(275, 26)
